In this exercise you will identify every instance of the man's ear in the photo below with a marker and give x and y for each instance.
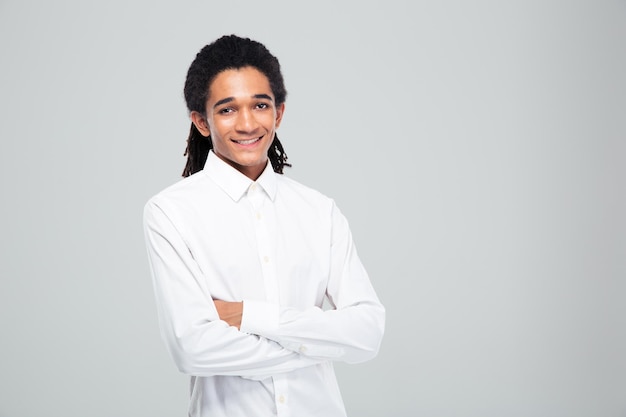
(200, 123)
(280, 110)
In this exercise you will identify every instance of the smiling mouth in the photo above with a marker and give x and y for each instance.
(247, 141)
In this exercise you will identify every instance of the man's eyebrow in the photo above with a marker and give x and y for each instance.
(223, 101)
(265, 96)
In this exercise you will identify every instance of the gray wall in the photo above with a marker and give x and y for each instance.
(477, 148)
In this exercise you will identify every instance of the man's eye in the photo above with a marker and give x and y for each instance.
(226, 110)
(262, 106)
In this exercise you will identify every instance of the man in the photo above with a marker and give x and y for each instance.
(242, 257)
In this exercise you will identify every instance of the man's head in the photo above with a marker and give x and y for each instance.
(226, 54)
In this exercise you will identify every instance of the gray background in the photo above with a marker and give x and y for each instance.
(477, 148)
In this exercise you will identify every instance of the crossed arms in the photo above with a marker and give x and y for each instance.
(253, 338)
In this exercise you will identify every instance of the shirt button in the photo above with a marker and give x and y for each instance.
(282, 399)
(258, 216)
(266, 259)
(253, 187)
(302, 349)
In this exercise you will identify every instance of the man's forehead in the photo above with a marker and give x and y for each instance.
(240, 83)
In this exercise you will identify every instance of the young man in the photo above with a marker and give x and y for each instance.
(242, 257)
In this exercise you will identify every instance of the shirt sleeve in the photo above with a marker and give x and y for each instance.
(198, 341)
(351, 331)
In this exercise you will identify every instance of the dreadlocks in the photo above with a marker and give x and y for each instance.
(228, 52)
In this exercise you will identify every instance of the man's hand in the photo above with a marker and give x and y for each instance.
(230, 312)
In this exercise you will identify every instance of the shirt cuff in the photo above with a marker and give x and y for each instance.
(259, 317)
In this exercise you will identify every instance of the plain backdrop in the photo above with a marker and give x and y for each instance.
(477, 148)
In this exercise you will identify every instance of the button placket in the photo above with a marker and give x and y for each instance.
(281, 395)
(265, 245)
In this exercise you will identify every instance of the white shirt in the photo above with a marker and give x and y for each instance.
(281, 248)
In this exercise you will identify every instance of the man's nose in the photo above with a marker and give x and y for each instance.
(246, 122)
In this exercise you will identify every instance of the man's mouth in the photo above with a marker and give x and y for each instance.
(247, 141)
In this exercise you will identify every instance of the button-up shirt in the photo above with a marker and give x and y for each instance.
(283, 249)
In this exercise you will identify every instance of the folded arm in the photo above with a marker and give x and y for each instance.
(350, 332)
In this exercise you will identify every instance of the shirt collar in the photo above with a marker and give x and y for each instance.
(233, 182)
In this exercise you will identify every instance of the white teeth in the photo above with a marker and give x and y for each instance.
(247, 142)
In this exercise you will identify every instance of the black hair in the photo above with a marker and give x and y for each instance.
(228, 52)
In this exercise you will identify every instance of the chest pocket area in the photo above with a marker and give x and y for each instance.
(303, 266)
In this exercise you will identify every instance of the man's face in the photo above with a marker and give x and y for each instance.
(242, 119)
